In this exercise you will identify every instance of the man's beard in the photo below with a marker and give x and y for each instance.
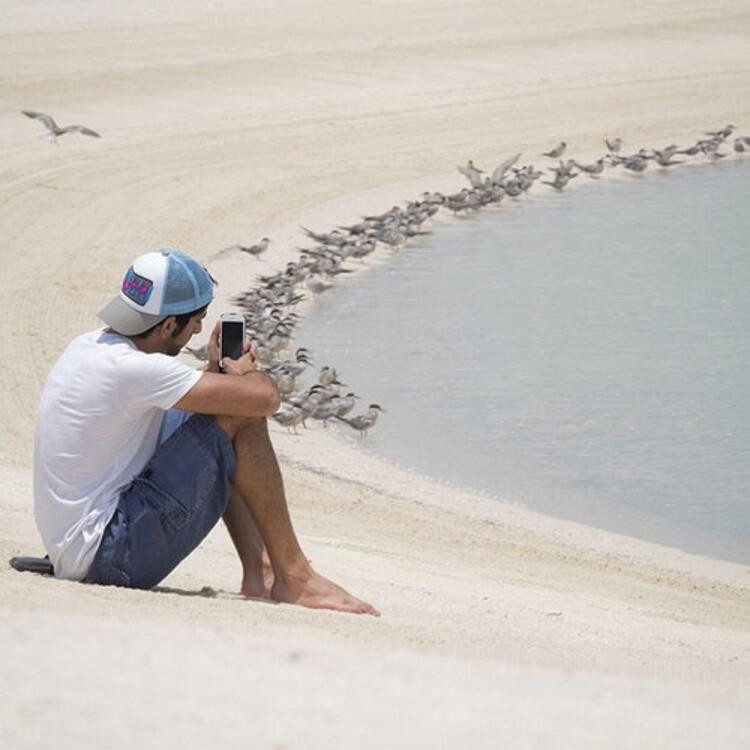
(173, 349)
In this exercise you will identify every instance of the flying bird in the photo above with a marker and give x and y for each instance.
(472, 173)
(501, 169)
(54, 129)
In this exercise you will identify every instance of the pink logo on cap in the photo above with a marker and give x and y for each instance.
(137, 288)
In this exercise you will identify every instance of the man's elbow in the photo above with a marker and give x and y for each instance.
(271, 399)
(274, 404)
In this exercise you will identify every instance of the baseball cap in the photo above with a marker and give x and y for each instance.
(158, 284)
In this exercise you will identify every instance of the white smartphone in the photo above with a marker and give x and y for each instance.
(232, 336)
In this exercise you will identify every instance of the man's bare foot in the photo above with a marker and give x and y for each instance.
(317, 592)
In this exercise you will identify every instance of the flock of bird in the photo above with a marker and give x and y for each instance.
(268, 307)
(269, 313)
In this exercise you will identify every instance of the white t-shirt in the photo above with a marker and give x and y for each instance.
(99, 420)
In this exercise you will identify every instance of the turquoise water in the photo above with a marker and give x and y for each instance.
(585, 354)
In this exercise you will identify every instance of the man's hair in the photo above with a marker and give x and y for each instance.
(182, 321)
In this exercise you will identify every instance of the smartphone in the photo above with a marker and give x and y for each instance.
(232, 335)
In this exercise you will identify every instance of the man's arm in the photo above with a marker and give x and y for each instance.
(253, 394)
(239, 391)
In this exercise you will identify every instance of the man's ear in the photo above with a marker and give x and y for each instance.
(168, 326)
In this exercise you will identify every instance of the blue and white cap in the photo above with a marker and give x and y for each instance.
(157, 285)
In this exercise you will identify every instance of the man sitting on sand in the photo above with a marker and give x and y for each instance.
(137, 455)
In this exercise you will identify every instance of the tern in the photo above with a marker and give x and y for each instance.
(290, 417)
(54, 129)
(556, 152)
(317, 284)
(327, 376)
(473, 174)
(725, 132)
(285, 381)
(613, 146)
(501, 169)
(335, 237)
(636, 163)
(665, 157)
(346, 404)
(255, 250)
(561, 180)
(363, 422)
(328, 409)
(296, 366)
(593, 170)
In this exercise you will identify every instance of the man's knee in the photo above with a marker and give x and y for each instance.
(247, 425)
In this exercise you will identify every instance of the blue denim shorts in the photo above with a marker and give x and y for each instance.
(169, 508)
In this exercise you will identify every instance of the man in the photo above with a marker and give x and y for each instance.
(137, 455)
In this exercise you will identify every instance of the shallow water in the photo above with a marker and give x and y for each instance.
(585, 354)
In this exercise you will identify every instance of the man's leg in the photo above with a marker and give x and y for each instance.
(152, 530)
(258, 482)
(257, 574)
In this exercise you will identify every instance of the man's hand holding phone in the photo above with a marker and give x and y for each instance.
(229, 349)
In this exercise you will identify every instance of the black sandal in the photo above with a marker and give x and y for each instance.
(28, 564)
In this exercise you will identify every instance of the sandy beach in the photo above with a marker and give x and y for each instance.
(225, 122)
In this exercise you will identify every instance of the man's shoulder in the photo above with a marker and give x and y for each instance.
(154, 366)
(102, 337)
(106, 351)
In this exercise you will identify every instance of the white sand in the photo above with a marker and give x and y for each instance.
(223, 122)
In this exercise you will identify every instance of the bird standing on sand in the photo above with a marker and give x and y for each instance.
(557, 152)
(711, 149)
(363, 422)
(290, 417)
(328, 409)
(255, 250)
(54, 129)
(636, 163)
(296, 366)
(285, 382)
(327, 376)
(613, 146)
(346, 404)
(561, 180)
(593, 170)
(317, 284)
(724, 133)
(665, 157)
